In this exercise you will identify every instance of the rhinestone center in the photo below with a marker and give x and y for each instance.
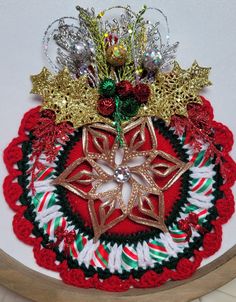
(122, 174)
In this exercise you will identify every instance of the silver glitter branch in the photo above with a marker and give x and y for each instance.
(75, 48)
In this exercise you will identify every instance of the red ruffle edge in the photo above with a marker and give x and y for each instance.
(47, 258)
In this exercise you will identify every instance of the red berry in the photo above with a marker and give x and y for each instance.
(124, 88)
(106, 106)
(142, 92)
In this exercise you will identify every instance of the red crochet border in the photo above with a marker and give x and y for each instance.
(47, 258)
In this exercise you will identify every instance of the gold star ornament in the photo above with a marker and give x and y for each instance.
(111, 177)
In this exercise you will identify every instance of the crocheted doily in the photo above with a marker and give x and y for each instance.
(121, 178)
(57, 223)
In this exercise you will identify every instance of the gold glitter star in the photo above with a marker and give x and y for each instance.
(39, 80)
(110, 169)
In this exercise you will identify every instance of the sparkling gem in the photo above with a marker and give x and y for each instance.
(81, 52)
(152, 60)
(122, 174)
(101, 14)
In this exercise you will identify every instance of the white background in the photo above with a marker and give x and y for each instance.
(204, 28)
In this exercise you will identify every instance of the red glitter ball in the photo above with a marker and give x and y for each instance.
(124, 88)
(141, 93)
(106, 106)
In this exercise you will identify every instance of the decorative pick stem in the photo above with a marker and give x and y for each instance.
(118, 118)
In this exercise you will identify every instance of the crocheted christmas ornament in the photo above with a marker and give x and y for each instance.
(121, 177)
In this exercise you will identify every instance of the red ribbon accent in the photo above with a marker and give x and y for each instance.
(68, 237)
(190, 222)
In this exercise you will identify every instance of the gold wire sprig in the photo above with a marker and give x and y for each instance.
(93, 25)
(137, 33)
(172, 92)
(72, 100)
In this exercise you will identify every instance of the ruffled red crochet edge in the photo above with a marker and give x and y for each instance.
(47, 258)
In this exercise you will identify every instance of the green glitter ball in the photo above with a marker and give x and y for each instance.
(107, 88)
(129, 108)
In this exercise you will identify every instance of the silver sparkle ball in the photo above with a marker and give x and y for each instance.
(122, 174)
(80, 51)
(152, 60)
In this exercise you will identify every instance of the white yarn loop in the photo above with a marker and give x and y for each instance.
(43, 186)
(201, 197)
(86, 254)
(143, 253)
(118, 259)
(141, 258)
(203, 172)
(48, 214)
(169, 244)
(200, 203)
(111, 258)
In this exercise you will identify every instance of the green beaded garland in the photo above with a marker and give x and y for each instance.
(129, 108)
(107, 88)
